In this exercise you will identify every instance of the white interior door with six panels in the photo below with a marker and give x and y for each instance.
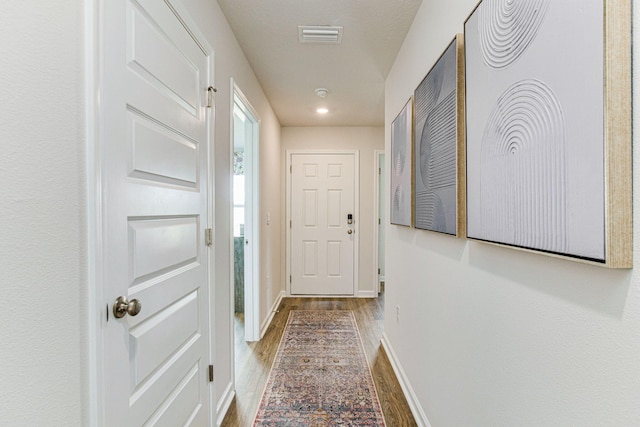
(322, 240)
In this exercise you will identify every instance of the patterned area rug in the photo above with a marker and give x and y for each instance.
(320, 376)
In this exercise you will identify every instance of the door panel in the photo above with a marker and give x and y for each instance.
(157, 338)
(310, 258)
(179, 405)
(173, 63)
(161, 246)
(335, 218)
(161, 155)
(310, 208)
(155, 143)
(334, 257)
(322, 250)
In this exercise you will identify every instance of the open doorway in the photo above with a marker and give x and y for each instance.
(246, 232)
(379, 228)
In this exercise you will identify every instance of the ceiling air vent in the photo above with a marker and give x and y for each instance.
(319, 34)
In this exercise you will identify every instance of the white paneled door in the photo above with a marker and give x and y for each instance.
(154, 130)
(323, 238)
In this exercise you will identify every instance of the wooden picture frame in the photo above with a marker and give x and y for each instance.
(439, 145)
(549, 128)
(401, 182)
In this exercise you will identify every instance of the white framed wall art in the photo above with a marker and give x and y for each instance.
(548, 98)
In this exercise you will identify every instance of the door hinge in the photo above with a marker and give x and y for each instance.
(289, 279)
(379, 171)
(290, 168)
(290, 224)
(210, 373)
(379, 222)
(378, 271)
(210, 91)
(208, 236)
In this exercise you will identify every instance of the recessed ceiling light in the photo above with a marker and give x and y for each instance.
(322, 110)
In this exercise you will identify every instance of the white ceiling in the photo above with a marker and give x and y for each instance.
(354, 71)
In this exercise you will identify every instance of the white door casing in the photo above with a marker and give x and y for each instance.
(323, 245)
(154, 137)
(381, 219)
(251, 134)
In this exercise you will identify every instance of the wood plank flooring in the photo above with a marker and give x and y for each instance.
(254, 360)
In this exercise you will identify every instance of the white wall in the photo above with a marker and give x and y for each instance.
(271, 243)
(43, 379)
(365, 139)
(230, 62)
(491, 336)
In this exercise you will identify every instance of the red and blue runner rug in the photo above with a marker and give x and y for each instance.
(320, 376)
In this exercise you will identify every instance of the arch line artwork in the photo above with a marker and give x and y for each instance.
(524, 169)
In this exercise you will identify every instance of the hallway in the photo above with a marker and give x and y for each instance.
(254, 360)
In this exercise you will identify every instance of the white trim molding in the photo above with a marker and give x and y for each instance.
(368, 293)
(93, 37)
(252, 288)
(377, 171)
(405, 384)
(274, 309)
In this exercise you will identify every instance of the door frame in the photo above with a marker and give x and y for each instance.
(252, 289)
(93, 192)
(97, 309)
(378, 165)
(356, 213)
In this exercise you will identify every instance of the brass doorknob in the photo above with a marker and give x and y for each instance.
(122, 306)
(349, 231)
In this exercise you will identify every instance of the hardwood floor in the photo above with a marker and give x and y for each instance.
(254, 360)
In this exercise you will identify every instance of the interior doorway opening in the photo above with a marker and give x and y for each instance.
(379, 228)
(246, 231)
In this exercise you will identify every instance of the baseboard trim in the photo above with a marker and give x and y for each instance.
(367, 294)
(272, 312)
(405, 384)
(224, 403)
